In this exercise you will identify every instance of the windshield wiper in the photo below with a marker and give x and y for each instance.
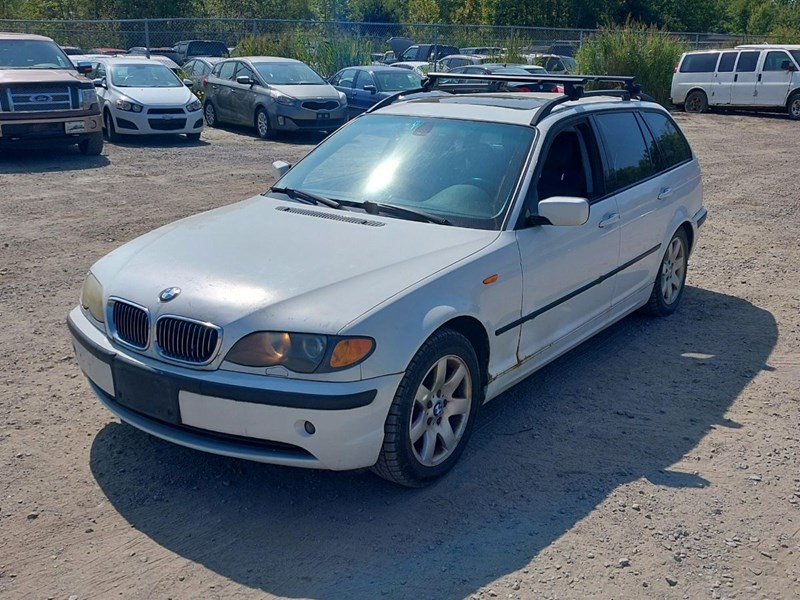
(308, 197)
(375, 208)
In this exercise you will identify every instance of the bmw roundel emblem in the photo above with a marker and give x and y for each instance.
(169, 294)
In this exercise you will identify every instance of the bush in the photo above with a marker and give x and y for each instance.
(647, 53)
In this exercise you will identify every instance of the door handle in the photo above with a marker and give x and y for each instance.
(759, 77)
(665, 193)
(736, 78)
(608, 220)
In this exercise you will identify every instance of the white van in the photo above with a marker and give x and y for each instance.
(763, 76)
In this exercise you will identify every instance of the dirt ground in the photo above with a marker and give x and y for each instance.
(658, 460)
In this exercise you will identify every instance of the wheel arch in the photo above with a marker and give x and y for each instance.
(689, 230)
(472, 329)
(791, 94)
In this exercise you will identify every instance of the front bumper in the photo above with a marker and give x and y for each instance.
(254, 417)
(289, 118)
(47, 131)
(144, 123)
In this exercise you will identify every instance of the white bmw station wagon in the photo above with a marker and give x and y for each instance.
(417, 263)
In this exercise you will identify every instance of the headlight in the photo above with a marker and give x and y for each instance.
(285, 100)
(129, 106)
(194, 106)
(87, 97)
(92, 298)
(301, 352)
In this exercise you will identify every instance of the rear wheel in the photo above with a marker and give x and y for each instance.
(263, 128)
(696, 102)
(794, 106)
(671, 279)
(108, 127)
(92, 145)
(433, 411)
(210, 114)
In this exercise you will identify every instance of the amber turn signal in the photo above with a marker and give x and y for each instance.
(490, 279)
(350, 351)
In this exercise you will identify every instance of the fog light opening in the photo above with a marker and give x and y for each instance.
(282, 121)
(309, 427)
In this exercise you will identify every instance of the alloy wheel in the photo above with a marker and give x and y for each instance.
(673, 271)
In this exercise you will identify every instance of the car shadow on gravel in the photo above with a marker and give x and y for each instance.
(158, 141)
(626, 405)
(293, 138)
(42, 160)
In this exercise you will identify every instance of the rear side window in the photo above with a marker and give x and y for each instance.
(674, 147)
(727, 61)
(747, 62)
(226, 70)
(699, 63)
(627, 154)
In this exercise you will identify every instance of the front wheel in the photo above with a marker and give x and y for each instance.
(794, 106)
(92, 145)
(263, 128)
(671, 279)
(111, 132)
(433, 411)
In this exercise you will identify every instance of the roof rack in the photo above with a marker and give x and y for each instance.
(573, 87)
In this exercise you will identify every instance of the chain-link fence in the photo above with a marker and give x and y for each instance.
(161, 33)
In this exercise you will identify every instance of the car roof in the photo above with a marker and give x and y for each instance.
(128, 60)
(505, 107)
(266, 59)
(23, 36)
(768, 47)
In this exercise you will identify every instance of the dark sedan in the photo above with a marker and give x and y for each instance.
(368, 85)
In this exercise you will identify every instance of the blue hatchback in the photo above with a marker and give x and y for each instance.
(368, 85)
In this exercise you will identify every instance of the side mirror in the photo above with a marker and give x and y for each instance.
(99, 82)
(371, 89)
(565, 210)
(188, 83)
(84, 68)
(280, 168)
(244, 80)
(788, 65)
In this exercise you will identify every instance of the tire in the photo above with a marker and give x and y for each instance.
(696, 102)
(92, 145)
(210, 113)
(261, 123)
(415, 449)
(793, 106)
(193, 137)
(671, 277)
(109, 129)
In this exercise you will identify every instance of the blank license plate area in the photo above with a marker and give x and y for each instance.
(74, 127)
(145, 392)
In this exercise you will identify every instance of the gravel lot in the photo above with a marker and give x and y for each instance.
(657, 460)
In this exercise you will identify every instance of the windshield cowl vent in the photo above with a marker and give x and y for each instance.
(329, 216)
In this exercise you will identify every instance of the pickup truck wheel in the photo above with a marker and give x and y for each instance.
(433, 411)
(671, 278)
(92, 145)
(108, 127)
(696, 102)
(794, 106)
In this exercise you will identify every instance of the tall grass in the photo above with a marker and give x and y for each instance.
(647, 53)
(326, 51)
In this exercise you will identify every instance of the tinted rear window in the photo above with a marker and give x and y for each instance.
(747, 62)
(627, 155)
(699, 63)
(727, 61)
(207, 49)
(673, 146)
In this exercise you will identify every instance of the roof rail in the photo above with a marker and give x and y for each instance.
(573, 87)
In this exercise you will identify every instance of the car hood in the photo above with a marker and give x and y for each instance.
(40, 75)
(154, 96)
(267, 263)
(306, 92)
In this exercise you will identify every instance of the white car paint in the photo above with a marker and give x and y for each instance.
(178, 100)
(273, 264)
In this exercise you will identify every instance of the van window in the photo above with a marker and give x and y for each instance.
(775, 60)
(674, 147)
(747, 62)
(727, 61)
(699, 63)
(627, 155)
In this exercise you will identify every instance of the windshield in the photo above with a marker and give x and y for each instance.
(32, 54)
(389, 81)
(144, 76)
(464, 171)
(288, 73)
